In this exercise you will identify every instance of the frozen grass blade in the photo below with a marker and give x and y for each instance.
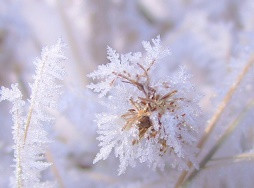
(29, 133)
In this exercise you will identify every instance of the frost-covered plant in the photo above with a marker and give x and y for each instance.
(150, 118)
(29, 131)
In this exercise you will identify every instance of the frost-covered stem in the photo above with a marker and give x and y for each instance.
(18, 144)
(28, 121)
(29, 150)
(217, 115)
(15, 96)
(18, 164)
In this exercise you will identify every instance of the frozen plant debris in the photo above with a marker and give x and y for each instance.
(29, 133)
(150, 118)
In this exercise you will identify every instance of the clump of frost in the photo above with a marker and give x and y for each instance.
(150, 119)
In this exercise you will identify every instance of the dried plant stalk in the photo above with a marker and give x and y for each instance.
(217, 115)
(154, 116)
(220, 141)
(54, 169)
(232, 159)
(30, 137)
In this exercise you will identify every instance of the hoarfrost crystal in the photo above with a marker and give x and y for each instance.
(150, 119)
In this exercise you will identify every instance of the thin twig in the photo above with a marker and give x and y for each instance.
(232, 159)
(19, 168)
(217, 115)
(221, 140)
(224, 103)
(54, 169)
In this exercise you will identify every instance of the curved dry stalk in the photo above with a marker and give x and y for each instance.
(225, 102)
(235, 158)
(212, 122)
(54, 169)
(221, 140)
(231, 160)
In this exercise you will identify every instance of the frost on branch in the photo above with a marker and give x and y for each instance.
(150, 119)
(29, 132)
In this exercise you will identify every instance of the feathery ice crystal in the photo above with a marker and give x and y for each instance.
(29, 134)
(150, 119)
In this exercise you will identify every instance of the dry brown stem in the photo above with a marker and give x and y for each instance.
(212, 122)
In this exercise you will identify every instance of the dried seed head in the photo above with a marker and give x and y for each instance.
(151, 119)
